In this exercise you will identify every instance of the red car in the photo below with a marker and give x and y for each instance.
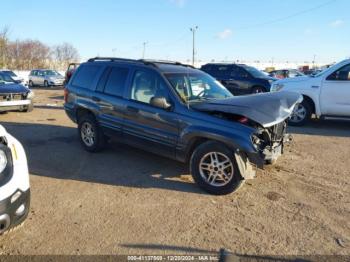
(70, 71)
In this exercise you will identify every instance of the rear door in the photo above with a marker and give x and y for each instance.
(145, 126)
(109, 97)
(335, 93)
(239, 81)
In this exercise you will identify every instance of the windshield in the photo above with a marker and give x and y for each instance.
(255, 72)
(10, 73)
(4, 79)
(51, 73)
(197, 86)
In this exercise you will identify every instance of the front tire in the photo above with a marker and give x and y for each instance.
(28, 108)
(90, 134)
(214, 169)
(301, 114)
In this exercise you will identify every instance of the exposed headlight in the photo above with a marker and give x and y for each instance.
(276, 87)
(30, 95)
(3, 161)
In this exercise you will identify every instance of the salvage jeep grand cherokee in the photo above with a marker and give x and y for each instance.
(180, 112)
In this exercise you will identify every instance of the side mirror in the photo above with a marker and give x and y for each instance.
(160, 102)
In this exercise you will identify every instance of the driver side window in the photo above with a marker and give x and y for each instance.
(147, 85)
(343, 74)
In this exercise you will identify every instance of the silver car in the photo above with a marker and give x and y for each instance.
(45, 77)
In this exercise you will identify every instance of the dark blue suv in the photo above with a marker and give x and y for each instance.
(179, 112)
(240, 79)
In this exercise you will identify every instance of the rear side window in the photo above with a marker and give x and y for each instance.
(85, 76)
(116, 81)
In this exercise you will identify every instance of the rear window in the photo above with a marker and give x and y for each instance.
(116, 81)
(85, 76)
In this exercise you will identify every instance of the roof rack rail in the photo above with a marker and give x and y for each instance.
(155, 61)
(152, 62)
(112, 59)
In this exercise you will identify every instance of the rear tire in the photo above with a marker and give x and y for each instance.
(90, 134)
(30, 83)
(301, 114)
(46, 84)
(214, 168)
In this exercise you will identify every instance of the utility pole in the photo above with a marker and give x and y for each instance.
(144, 50)
(313, 62)
(194, 30)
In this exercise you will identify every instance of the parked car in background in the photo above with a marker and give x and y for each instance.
(179, 112)
(45, 77)
(14, 77)
(14, 182)
(285, 73)
(14, 96)
(240, 79)
(70, 71)
(313, 72)
(325, 94)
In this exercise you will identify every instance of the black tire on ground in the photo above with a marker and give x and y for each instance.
(94, 142)
(200, 153)
(46, 84)
(30, 83)
(29, 108)
(293, 121)
(258, 89)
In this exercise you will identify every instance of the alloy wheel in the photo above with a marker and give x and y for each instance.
(216, 169)
(87, 134)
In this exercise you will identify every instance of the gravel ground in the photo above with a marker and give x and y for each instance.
(126, 201)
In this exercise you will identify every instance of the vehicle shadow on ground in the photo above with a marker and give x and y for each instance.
(190, 250)
(340, 128)
(54, 151)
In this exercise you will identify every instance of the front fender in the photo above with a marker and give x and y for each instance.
(239, 140)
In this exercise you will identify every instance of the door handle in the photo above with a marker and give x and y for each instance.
(132, 109)
(96, 99)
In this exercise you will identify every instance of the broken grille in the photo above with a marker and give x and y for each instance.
(11, 97)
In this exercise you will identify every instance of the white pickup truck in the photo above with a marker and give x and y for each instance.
(326, 94)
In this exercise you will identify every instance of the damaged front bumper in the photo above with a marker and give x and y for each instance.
(269, 154)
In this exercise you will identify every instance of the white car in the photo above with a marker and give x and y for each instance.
(326, 94)
(14, 182)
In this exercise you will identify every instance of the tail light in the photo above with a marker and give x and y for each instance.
(243, 120)
(66, 93)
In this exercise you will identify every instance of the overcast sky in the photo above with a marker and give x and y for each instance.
(288, 30)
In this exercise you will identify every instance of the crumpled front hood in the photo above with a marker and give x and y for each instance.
(267, 109)
(12, 88)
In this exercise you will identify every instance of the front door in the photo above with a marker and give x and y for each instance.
(335, 93)
(148, 127)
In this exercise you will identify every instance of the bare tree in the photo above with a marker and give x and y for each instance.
(29, 54)
(64, 54)
(4, 40)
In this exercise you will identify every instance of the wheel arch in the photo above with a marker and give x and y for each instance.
(81, 111)
(311, 102)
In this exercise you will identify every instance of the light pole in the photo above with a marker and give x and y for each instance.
(194, 30)
(144, 49)
(114, 50)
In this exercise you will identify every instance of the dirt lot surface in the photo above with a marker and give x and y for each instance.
(126, 201)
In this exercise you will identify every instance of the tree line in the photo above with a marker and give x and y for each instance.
(29, 54)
